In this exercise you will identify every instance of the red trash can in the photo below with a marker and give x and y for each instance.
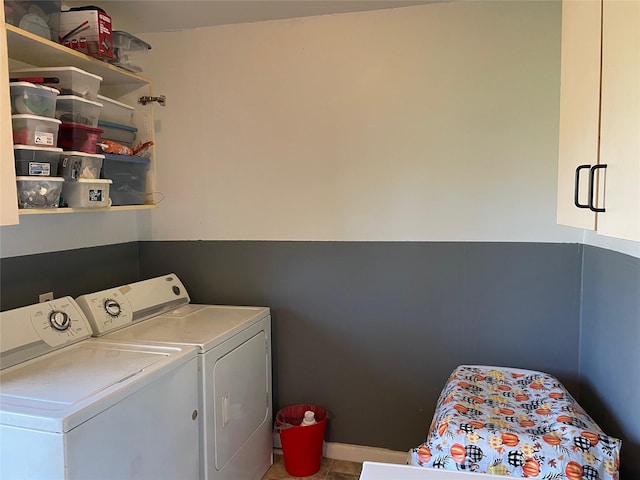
(301, 445)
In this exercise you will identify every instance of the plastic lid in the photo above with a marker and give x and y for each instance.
(79, 99)
(111, 100)
(28, 116)
(35, 147)
(103, 123)
(38, 178)
(92, 180)
(55, 91)
(79, 126)
(126, 158)
(79, 154)
(56, 69)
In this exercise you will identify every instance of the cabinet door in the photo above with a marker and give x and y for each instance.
(8, 196)
(620, 119)
(579, 107)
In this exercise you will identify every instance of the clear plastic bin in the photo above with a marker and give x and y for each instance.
(39, 192)
(31, 99)
(36, 161)
(74, 109)
(114, 111)
(86, 193)
(78, 137)
(116, 132)
(69, 80)
(77, 165)
(35, 130)
(129, 175)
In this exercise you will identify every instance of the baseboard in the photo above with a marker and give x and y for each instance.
(360, 453)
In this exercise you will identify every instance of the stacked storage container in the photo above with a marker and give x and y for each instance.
(128, 172)
(35, 136)
(77, 113)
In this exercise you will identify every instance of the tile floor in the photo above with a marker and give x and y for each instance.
(329, 470)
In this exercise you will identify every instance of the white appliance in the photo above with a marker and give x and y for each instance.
(75, 408)
(234, 361)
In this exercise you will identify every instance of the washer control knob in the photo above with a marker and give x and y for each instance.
(112, 307)
(59, 320)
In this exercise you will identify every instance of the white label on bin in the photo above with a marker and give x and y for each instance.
(43, 138)
(95, 195)
(36, 168)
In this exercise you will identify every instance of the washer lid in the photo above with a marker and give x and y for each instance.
(59, 391)
(203, 326)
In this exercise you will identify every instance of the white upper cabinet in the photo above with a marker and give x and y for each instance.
(599, 149)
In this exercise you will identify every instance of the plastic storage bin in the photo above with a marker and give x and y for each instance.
(114, 111)
(86, 193)
(36, 161)
(124, 44)
(301, 445)
(39, 192)
(77, 165)
(74, 109)
(34, 16)
(28, 98)
(123, 134)
(78, 137)
(35, 130)
(71, 80)
(129, 175)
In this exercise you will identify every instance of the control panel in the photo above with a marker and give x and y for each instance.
(34, 330)
(115, 308)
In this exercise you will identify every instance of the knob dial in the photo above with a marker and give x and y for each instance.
(112, 307)
(59, 320)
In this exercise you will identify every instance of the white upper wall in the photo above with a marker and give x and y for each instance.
(435, 122)
(429, 123)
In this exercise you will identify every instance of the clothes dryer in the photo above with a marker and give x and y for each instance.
(75, 408)
(234, 360)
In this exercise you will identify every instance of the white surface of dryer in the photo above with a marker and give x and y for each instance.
(234, 345)
(90, 409)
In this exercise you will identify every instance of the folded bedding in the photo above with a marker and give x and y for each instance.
(513, 422)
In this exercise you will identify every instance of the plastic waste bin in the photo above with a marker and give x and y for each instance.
(301, 445)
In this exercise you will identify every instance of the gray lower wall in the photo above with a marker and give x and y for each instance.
(68, 272)
(371, 330)
(610, 348)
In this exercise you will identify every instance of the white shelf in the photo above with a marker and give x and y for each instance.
(29, 48)
(58, 211)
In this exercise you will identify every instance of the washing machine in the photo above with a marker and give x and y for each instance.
(234, 361)
(75, 408)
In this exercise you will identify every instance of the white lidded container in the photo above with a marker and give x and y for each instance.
(86, 193)
(71, 80)
(41, 161)
(35, 130)
(38, 192)
(115, 112)
(28, 98)
(77, 165)
(74, 109)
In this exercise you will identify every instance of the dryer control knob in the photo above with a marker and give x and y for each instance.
(59, 320)
(112, 307)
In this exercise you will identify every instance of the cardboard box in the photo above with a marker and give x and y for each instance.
(87, 31)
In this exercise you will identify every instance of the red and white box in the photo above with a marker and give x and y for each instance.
(87, 31)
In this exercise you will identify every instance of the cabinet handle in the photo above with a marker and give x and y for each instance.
(576, 189)
(591, 189)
